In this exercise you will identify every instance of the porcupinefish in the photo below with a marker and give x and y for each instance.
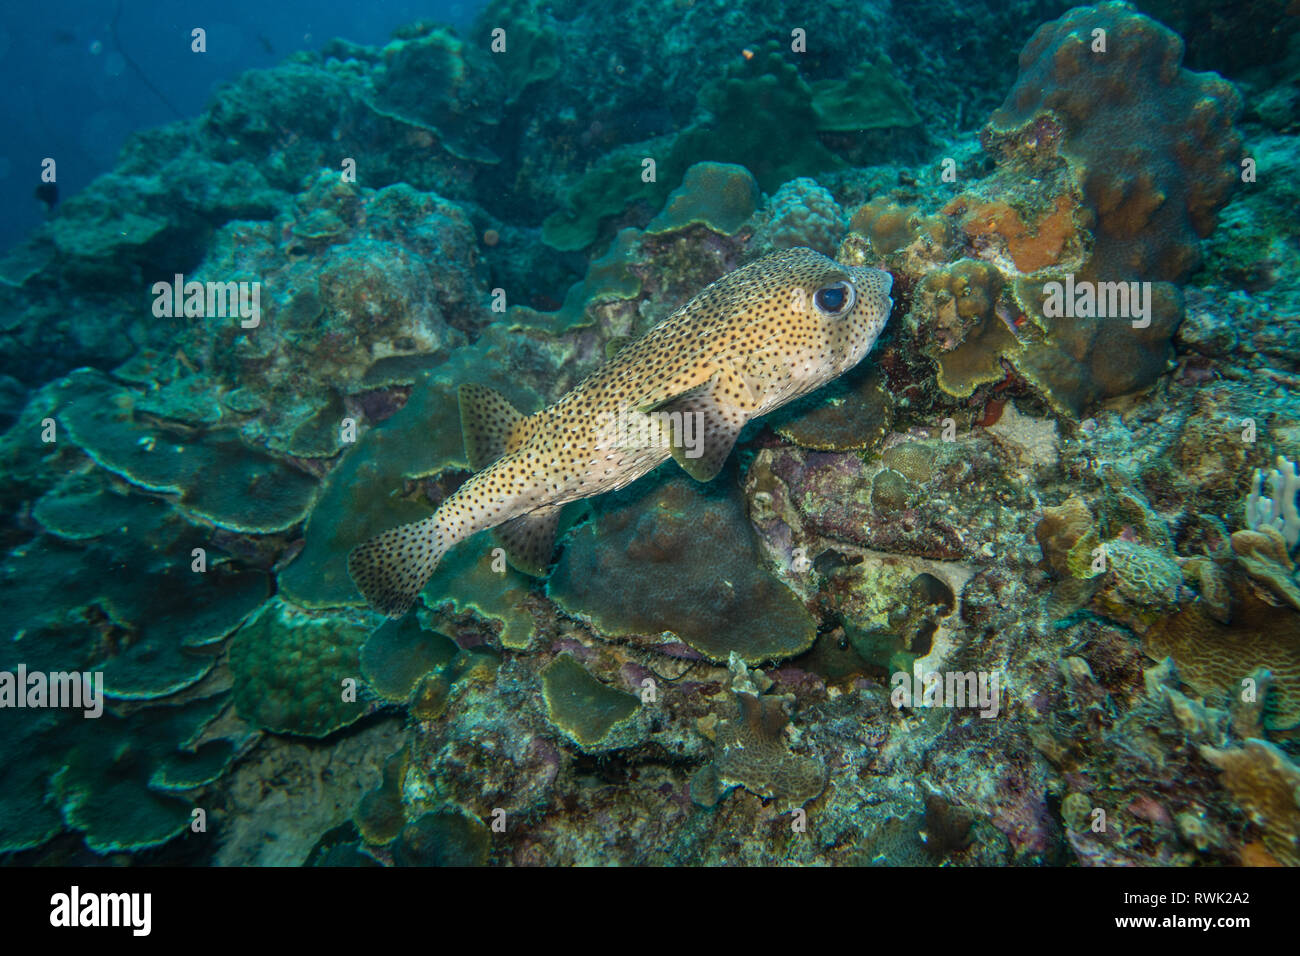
(752, 341)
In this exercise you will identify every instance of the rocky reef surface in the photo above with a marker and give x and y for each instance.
(1064, 482)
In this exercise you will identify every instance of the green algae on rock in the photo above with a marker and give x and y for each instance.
(678, 557)
(587, 711)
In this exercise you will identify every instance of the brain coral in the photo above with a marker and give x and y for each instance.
(289, 666)
(1144, 574)
(1152, 144)
(1213, 657)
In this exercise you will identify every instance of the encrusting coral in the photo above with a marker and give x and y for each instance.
(679, 558)
(751, 749)
(1266, 782)
(1151, 144)
(583, 708)
(717, 195)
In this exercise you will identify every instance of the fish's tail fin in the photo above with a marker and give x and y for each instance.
(392, 568)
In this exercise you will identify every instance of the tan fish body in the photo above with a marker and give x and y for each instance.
(752, 341)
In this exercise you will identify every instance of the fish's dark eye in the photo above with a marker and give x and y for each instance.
(834, 299)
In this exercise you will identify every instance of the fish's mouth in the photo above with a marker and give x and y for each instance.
(874, 286)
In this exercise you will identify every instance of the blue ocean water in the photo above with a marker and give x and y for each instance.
(72, 92)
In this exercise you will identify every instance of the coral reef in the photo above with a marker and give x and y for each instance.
(581, 706)
(718, 196)
(1265, 781)
(291, 670)
(1154, 167)
(869, 98)
(1082, 526)
(751, 751)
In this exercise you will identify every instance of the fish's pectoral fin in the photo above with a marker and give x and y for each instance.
(529, 540)
(491, 426)
(617, 344)
(702, 424)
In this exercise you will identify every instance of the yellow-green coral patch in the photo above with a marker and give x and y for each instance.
(585, 710)
(718, 196)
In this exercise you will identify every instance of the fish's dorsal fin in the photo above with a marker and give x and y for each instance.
(702, 424)
(491, 426)
(529, 540)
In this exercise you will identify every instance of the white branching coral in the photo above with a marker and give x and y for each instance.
(1280, 509)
